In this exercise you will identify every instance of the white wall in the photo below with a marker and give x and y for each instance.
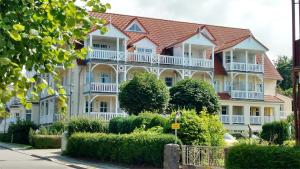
(270, 87)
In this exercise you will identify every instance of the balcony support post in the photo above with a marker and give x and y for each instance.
(230, 113)
(116, 107)
(231, 58)
(125, 48)
(117, 78)
(262, 115)
(247, 91)
(246, 114)
(190, 54)
(118, 48)
(90, 87)
(213, 57)
(246, 53)
(182, 54)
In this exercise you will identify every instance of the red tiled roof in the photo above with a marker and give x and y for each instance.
(269, 98)
(224, 96)
(167, 32)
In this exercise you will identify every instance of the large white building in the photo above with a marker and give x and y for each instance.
(231, 59)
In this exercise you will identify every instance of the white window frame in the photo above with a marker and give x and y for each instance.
(224, 108)
(105, 77)
(144, 50)
(87, 107)
(135, 28)
(103, 106)
(28, 112)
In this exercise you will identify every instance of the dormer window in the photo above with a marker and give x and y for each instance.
(135, 28)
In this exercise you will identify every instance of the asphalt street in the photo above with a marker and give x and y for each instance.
(14, 160)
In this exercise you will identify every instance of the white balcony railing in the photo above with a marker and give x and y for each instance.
(224, 119)
(255, 120)
(139, 57)
(238, 94)
(170, 60)
(149, 58)
(268, 119)
(107, 116)
(46, 119)
(244, 67)
(255, 68)
(101, 87)
(237, 119)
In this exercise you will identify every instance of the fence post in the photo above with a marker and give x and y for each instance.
(64, 141)
(171, 156)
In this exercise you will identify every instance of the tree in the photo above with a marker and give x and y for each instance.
(194, 94)
(143, 93)
(284, 66)
(36, 36)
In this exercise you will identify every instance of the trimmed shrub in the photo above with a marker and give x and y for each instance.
(129, 124)
(136, 148)
(194, 94)
(276, 132)
(20, 131)
(46, 141)
(86, 125)
(4, 137)
(203, 129)
(57, 127)
(143, 93)
(254, 156)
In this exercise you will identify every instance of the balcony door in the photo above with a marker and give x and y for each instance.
(105, 77)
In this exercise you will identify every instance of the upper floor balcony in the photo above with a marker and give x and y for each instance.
(243, 60)
(149, 58)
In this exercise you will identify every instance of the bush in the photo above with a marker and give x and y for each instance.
(57, 127)
(194, 94)
(143, 93)
(46, 141)
(136, 148)
(4, 137)
(86, 125)
(254, 156)
(129, 124)
(20, 131)
(276, 132)
(203, 129)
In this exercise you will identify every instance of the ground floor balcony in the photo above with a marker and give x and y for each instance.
(150, 58)
(101, 87)
(240, 119)
(238, 94)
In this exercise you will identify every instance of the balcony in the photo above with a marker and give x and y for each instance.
(237, 94)
(101, 87)
(255, 120)
(268, 119)
(150, 58)
(238, 119)
(106, 116)
(236, 66)
(224, 119)
(46, 119)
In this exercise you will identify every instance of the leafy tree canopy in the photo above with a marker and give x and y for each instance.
(194, 94)
(36, 36)
(284, 66)
(143, 93)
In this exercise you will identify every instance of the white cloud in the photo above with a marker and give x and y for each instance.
(269, 20)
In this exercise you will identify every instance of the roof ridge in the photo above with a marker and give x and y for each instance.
(174, 20)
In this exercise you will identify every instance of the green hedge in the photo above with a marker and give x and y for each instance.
(20, 131)
(136, 148)
(255, 156)
(86, 125)
(276, 132)
(46, 141)
(128, 124)
(4, 137)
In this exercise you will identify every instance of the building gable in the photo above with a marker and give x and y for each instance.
(252, 44)
(112, 31)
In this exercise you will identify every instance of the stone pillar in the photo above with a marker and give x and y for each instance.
(171, 156)
(64, 141)
(246, 114)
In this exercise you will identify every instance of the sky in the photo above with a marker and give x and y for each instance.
(268, 20)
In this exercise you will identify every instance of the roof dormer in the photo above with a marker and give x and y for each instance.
(135, 26)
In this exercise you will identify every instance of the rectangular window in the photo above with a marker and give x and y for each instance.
(169, 81)
(28, 115)
(186, 54)
(47, 107)
(87, 77)
(281, 107)
(224, 110)
(217, 85)
(103, 107)
(254, 111)
(227, 57)
(100, 46)
(105, 78)
(87, 107)
(144, 50)
(17, 116)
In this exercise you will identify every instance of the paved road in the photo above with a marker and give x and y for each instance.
(14, 160)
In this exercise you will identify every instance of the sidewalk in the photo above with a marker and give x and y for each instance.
(54, 155)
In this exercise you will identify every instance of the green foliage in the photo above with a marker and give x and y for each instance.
(19, 132)
(287, 92)
(203, 129)
(284, 66)
(128, 124)
(136, 148)
(194, 94)
(34, 35)
(291, 120)
(290, 143)
(276, 132)
(143, 93)
(254, 156)
(86, 125)
(57, 127)
(4, 137)
(46, 141)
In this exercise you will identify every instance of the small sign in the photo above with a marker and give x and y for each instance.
(175, 126)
